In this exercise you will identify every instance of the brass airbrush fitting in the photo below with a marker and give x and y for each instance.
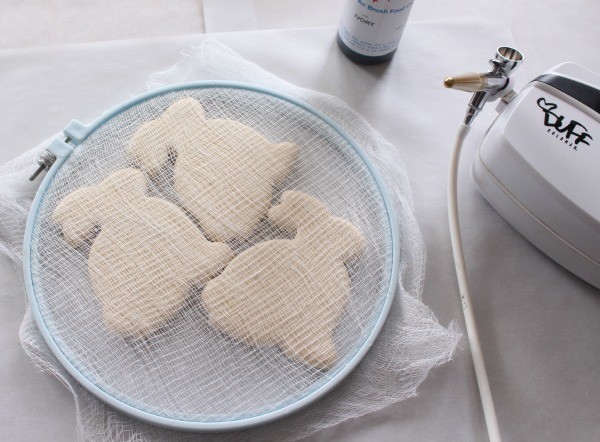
(487, 86)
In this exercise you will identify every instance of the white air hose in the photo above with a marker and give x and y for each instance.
(465, 295)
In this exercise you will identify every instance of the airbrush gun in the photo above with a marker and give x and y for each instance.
(531, 165)
(487, 86)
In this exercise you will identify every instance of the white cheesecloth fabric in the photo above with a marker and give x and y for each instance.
(411, 343)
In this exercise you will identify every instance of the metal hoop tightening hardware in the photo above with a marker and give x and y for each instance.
(45, 161)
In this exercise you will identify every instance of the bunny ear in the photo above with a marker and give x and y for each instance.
(151, 144)
(296, 210)
(349, 240)
(76, 215)
(124, 184)
(84, 209)
(300, 212)
(283, 156)
(129, 179)
(186, 109)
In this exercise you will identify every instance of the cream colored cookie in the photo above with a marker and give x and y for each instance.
(225, 171)
(147, 255)
(289, 293)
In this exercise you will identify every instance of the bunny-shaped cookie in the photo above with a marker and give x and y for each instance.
(289, 293)
(147, 255)
(225, 171)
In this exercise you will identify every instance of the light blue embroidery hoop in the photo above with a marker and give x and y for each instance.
(77, 133)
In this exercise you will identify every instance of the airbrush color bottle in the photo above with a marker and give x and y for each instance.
(370, 30)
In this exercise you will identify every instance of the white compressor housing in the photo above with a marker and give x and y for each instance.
(538, 165)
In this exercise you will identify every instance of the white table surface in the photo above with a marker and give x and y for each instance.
(538, 323)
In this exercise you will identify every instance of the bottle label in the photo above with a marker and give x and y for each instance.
(374, 27)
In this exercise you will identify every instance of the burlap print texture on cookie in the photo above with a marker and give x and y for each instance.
(225, 171)
(289, 293)
(147, 255)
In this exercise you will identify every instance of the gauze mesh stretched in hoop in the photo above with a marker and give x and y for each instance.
(411, 342)
(141, 310)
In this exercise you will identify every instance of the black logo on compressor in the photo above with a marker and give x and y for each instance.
(572, 133)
